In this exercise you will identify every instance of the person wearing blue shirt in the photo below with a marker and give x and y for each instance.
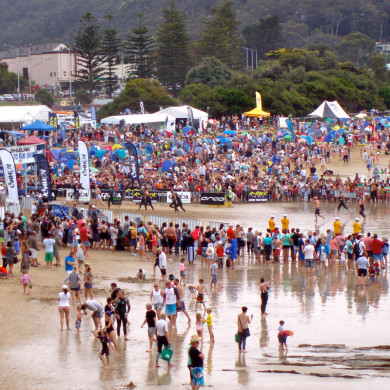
(70, 262)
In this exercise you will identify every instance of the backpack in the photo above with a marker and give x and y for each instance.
(356, 249)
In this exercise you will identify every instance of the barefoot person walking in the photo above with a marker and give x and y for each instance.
(264, 288)
(317, 212)
(63, 306)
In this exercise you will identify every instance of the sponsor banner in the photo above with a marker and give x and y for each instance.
(84, 195)
(117, 196)
(156, 195)
(212, 198)
(43, 175)
(10, 174)
(54, 194)
(184, 196)
(258, 196)
(24, 154)
(133, 161)
(84, 165)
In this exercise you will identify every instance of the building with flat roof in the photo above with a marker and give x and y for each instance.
(47, 65)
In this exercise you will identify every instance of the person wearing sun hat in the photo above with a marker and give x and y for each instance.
(337, 226)
(195, 360)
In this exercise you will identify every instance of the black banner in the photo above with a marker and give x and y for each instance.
(156, 196)
(133, 161)
(257, 196)
(212, 198)
(43, 174)
(117, 195)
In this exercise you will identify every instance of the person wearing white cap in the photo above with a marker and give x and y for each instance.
(271, 223)
(337, 226)
(285, 222)
(357, 227)
(63, 306)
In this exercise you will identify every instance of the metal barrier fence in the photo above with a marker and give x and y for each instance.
(27, 203)
(159, 220)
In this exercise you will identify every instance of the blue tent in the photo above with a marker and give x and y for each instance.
(307, 138)
(38, 126)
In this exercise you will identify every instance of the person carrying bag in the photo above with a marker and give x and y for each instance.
(243, 320)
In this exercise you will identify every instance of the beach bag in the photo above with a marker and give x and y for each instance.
(166, 354)
(236, 337)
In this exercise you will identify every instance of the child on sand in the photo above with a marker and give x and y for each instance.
(199, 324)
(141, 243)
(25, 280)
(102, 336)
(182, 272)
(209, 321)
(281, 325)
(282, 336)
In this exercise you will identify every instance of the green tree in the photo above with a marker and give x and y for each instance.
(9, 80)
(139, 47)
(82, 96)
(378, 66)
(44, 97)
(110, 49)
(264, 36)
(172, 49)
(220, 36)
(87, 44)
(150, 91)
(356, 47)
(211, 72)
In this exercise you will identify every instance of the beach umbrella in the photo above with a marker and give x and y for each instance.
(121, 153)
(244, 133)
(208, 140)
(229, 132)
(287, 137)
(166, 166)
(117, 146)
(198, 149)
(212, 121)
(70, 164)
(109, 147)
(178, 152)
(340, 131)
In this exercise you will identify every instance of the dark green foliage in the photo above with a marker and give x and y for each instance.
(151, 92)
(172, 51)
(139, 47)
(44, 97)
(211, 72)
(110, 48)
(87, 44)
(264, 36)
(82, 96)
(9, 80)
(220, 36)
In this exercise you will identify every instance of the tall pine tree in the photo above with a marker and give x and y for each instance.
(172, 48)
(139, 48)
(110, 49)
(220, 37)
(87, 44)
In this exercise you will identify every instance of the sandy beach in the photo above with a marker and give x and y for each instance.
(332, 318)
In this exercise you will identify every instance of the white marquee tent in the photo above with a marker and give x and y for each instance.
(24, 114)
(181, 112)
(330, 110)
(153, 120)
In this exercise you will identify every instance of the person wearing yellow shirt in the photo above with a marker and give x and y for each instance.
(271, 223)
(337, 226)
(357, 227)
(285, 222)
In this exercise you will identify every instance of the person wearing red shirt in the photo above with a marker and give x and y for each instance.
(196, 236)
(377, 246)
(84, 235)
(230, 232)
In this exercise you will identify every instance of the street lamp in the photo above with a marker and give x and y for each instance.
(17, 61)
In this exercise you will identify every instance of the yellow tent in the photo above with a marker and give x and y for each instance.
(258, 111)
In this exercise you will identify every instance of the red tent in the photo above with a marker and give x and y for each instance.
(32, 140)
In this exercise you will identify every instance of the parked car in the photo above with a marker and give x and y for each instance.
(2, 98)
(9, 97)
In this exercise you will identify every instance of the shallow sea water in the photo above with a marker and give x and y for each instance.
(336, 324)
